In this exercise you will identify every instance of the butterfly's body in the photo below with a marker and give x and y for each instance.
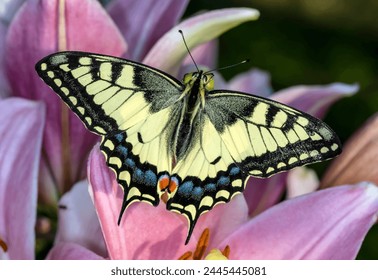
(196, 144)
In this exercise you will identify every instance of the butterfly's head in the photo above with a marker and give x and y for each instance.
(205, 80)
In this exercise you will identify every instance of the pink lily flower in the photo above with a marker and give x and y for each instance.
(21, 129)
(341, 216)
(358, 161)
(66, 142)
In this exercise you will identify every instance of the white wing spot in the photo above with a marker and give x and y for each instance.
(255, 172)
(124, 176)
(115, 161)
(65, 67)
(324, 150)
(269, 170)
(192, 210)
(88, 120)
(303, 156)
(334, 147)
(43, 66)
(58, 82)
(73, 100)
(206, 201)
(50, 74)
(223, 193)
(316, 137)
(133, 192)
(237, 183)
(81, 110)
(65, 90)
(314, 153)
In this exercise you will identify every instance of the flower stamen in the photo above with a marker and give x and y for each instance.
(202, 246)
(3, 245)
(186, 256)
(226, 251)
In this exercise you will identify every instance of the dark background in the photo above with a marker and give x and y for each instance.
(311, 42)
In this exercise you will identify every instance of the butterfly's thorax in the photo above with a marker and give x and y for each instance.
(193, 103)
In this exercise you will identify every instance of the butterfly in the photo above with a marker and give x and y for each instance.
(184, 140)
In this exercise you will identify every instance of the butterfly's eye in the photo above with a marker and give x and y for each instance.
(208, 81)
(188, 77)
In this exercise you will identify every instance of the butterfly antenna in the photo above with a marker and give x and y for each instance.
(183, 38)
(228, 66)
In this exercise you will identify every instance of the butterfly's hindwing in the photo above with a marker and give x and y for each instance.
(206, 175)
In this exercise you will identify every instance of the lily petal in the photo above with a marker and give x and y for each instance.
(301, 180)
(261, 194)
(223, 220)
(254, 81)
(71, 251)
(145, 232)
(8, 8)
(21, 128)
(358, 162)
(169, 50)
(4, 85)
(38, 29)
(327, 224)
(76, 212)
(314, 100)
(142, 23)
(205, 55)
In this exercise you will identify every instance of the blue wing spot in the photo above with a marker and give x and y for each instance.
(150, 178)
(175, 180)
(223, 181)
(234, 171)
(123, 150)
(211, 187)
(185, 189)
(119, 137)
(197, 193)
(138, 176)
(130, 163)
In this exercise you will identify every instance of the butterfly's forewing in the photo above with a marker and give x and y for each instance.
(240, 135)
(130, 105)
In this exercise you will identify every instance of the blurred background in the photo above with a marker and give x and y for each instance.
(311, 42)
